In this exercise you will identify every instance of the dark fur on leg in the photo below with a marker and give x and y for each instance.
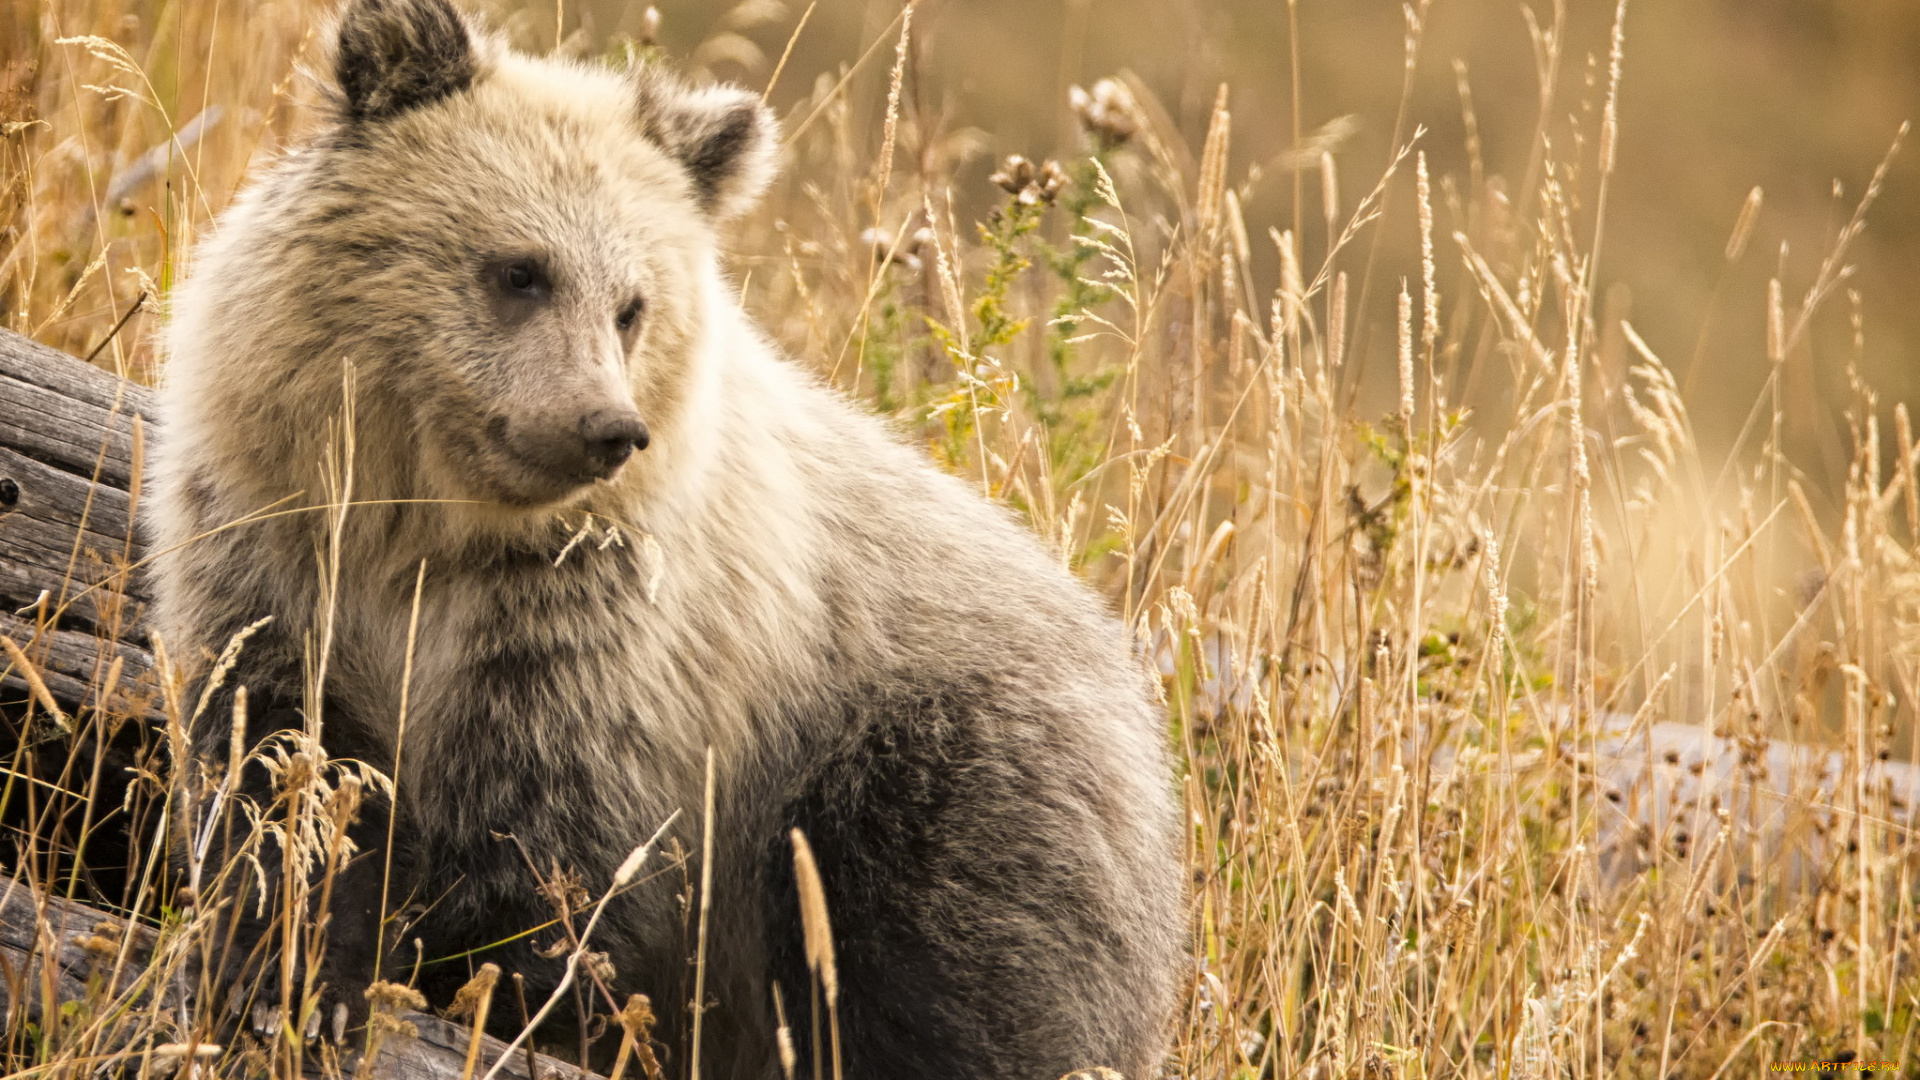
(242, 960)
(972, 942)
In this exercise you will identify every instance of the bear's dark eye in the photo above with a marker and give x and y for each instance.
(630, 314)
(523, 277)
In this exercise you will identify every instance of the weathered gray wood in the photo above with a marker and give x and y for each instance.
(440, 1051)
(46, 940)
(29, 361)
(66, 412)
(53, 495)
(67, 541)
(52, 560)
(68, 432)
(66, 535)
(33, 927)
(72, 664)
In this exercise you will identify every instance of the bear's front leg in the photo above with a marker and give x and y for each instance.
(994, 912)
(303, 939)
(298, 804)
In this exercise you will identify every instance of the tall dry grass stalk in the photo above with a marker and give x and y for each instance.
(1426, 636)
(817, 936)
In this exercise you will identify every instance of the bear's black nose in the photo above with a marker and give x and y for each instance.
(609, 437)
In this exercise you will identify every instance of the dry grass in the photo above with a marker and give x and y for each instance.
(1421, 668)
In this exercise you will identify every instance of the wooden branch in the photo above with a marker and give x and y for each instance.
(73, 663)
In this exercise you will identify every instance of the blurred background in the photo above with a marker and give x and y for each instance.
(1801, 98)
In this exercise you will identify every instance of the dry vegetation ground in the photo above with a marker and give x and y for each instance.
(1419, 666)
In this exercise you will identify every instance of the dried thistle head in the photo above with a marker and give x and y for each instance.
(100, 945)
(467, 1000)
(387, 999)
(564, 891)
(254, 1060)
(1051, 181)
(382, 1024)
(1016, 172)
(638, 1020)
(1108, 112)
(637, 1017)
(601, 966)
(392, 997)
(1028, 183)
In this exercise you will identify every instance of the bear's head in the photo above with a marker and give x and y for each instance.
(514, 254)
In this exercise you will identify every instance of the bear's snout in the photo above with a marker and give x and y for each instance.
(553, 456)
(609, 437)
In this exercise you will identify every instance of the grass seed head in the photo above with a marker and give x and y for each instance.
(815, 927)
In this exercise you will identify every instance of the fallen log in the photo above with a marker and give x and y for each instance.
(50, 946)
(73, 600)
(72, 595)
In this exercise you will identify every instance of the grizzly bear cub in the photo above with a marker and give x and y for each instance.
(647, 538)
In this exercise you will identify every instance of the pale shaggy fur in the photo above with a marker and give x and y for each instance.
(876, 654)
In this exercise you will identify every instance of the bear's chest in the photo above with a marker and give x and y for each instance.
(606, 659)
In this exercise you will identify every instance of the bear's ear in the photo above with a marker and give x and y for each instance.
(725, 138)
(396, 55)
